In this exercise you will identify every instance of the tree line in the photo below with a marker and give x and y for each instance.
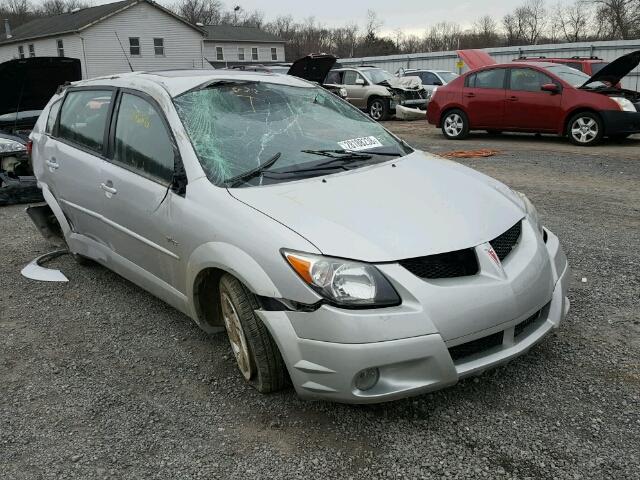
(533, 22)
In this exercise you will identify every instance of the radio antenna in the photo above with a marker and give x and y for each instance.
(123, 52)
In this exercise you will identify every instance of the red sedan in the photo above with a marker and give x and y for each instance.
(539, 97)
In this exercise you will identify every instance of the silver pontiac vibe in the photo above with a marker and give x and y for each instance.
(330, 251)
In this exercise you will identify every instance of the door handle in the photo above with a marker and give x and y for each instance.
(470, 95)
(108, 187)
(512, 99)
(52, 163)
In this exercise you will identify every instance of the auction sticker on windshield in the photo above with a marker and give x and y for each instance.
(362, 143)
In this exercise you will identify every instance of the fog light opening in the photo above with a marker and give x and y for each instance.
(367, 379)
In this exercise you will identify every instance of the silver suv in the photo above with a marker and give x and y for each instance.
(330, 251)
(376, 91)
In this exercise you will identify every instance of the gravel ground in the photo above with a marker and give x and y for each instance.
(98, 379)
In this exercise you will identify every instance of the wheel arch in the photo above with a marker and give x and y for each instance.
(447, 109)
(575, 111)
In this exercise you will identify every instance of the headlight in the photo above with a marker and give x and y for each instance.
(624, 104)
(532, 213)
(8, 146)
(343, 282)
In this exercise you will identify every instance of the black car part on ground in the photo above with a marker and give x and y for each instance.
(27, 86)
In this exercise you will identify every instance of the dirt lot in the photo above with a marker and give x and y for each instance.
(98, 379)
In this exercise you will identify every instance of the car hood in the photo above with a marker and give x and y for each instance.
(29, 83)
(313, 67)
(476, 58)
(403, 83)
(616, 70)
(422, 206)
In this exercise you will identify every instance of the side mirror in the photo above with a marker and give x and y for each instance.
(359, 81)
(550, 87)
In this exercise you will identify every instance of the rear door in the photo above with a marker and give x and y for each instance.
(137, 198)
(483, 98)
(74, 154)
(528, 107)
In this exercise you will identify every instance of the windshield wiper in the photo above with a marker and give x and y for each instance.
(243, 177)
(338, 154)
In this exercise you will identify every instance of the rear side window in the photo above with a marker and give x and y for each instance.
(142, 142)
(528, 80)
(493, 78)
(84, 116)
(53, 115)
(576, 65)
(429, 78)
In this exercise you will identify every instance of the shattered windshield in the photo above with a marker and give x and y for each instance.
(236, 127)
(377, 75)
(572, 76)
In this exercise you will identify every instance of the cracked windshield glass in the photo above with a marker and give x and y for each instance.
(283, 132)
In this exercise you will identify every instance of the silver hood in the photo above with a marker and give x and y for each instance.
(422, 206)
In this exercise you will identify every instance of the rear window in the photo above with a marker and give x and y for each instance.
(596, 67)
(84, 116)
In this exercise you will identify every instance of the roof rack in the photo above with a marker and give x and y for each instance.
(522, 57)
(590, 57)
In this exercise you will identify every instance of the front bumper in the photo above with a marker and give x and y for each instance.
(620, 123)
(324, 350)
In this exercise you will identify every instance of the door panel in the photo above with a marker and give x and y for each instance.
(483, 98)
(355, 92)
(527, 106)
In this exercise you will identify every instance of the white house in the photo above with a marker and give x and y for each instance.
(109, 38)
(227, 45)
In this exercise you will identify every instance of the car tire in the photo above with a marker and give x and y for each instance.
(378, 109)
(455, 125)
(255, 351)
(585, 129)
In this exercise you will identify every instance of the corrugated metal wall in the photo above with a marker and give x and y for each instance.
(447, 60)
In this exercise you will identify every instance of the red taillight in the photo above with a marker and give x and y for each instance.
(29, 147)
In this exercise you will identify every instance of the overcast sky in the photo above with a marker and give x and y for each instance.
(413, 16)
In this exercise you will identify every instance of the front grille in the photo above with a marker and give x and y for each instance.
(459, 263)
(522, 326)
(476, 346)
(503, 244)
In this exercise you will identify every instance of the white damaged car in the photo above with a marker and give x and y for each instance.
(330, 251)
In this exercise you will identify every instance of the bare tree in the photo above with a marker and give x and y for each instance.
(56, 7)
(486, 31)
(621, 17)
(207, 12)
(573, 21)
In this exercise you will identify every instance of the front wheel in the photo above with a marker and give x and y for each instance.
(455, 125)
(585, 129)
(379, 109)
(255, 351)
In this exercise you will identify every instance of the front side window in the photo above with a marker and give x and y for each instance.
(83, 118)
(493, 78)
(240, 53)
(142, 143)
(53, 115)
(21, 51)
(219, 53)
(429, 78)
(350, 77)
(254, 53)
(527, 80)
(134, 46)
(32, 50)
(282, 120)
(334, 78)
(158, 47)
(60, 47)
(274, 54)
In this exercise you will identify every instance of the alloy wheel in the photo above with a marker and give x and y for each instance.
(236, 336)
(453, 125)
(584, 129)
(376, 109)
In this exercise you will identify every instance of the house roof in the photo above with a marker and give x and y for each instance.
(76, 21)
(231, 33)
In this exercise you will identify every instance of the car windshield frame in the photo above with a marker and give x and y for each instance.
(368, 76)
(283, 118)
(573, 77)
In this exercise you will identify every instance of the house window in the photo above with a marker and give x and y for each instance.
(219, 53)
(32, 50)
(134, 46)
(254, 53)
(158, 47)
(274, 54)
(60, 47)
(240, 53)
(21, 51)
